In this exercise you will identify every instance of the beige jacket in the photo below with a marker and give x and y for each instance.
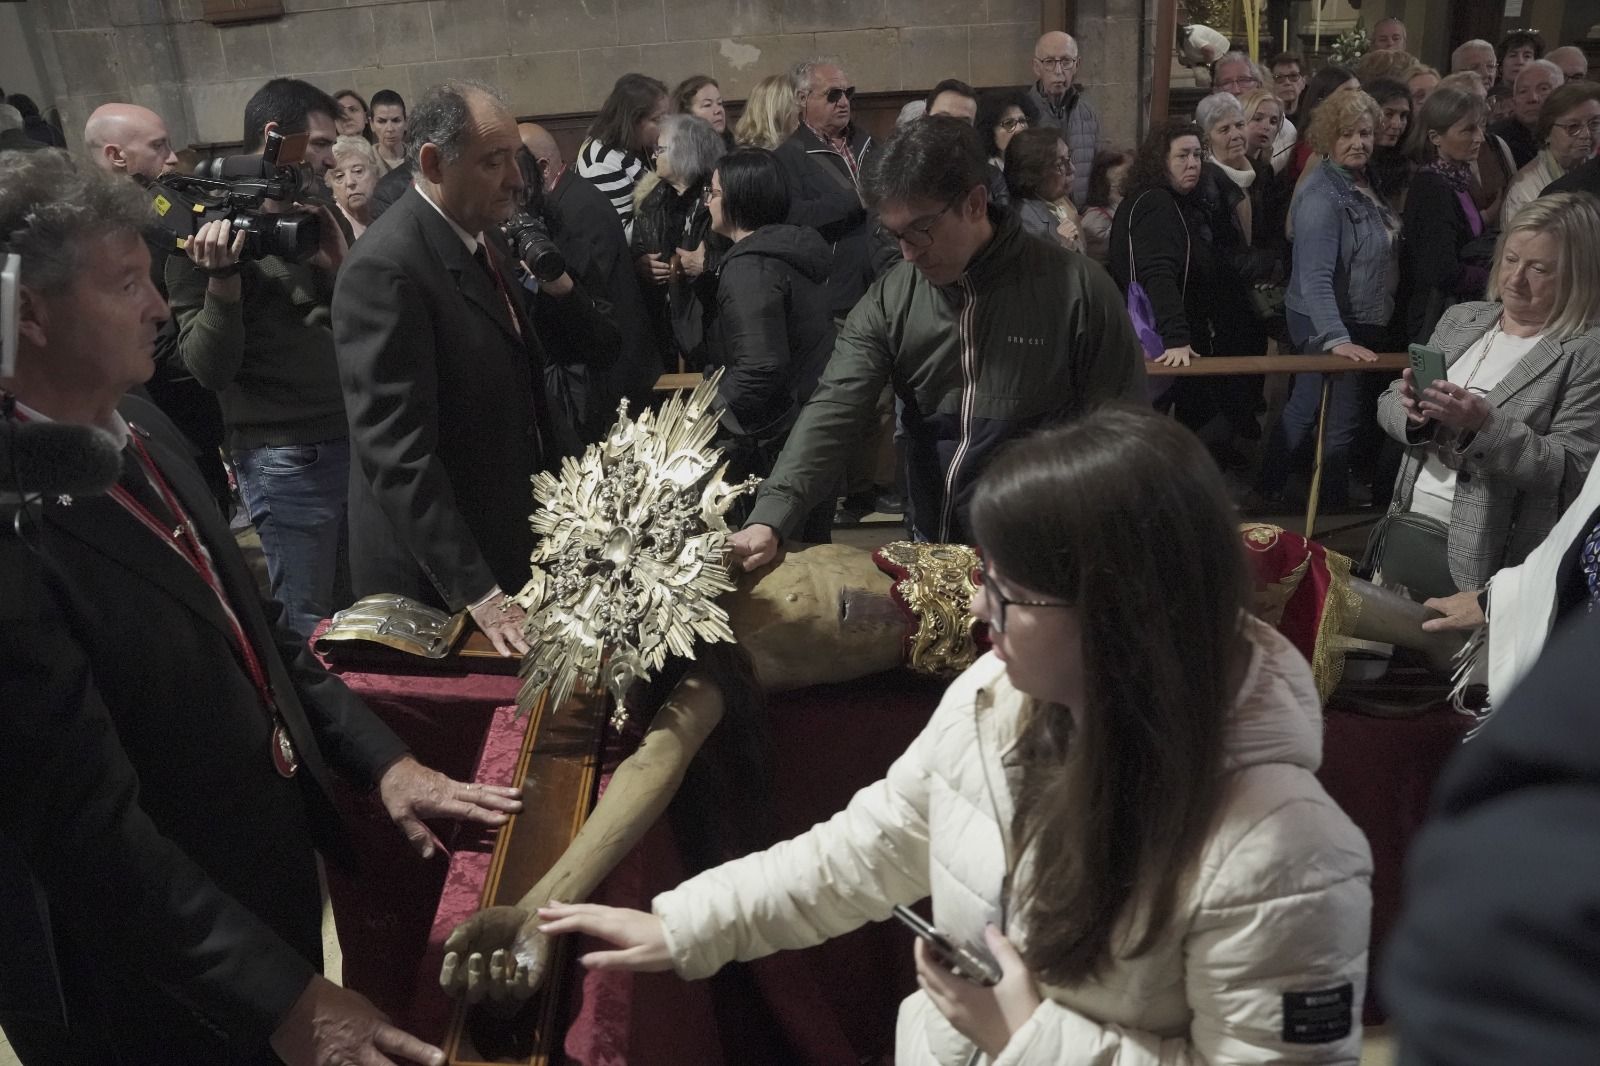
(1277, 914)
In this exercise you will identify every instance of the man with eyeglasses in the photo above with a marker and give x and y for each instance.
(1479, 57)
(822, 162)
(1061, 103)
(1573, 63)
(983, 332)
(1535, 82)
(1238, 74)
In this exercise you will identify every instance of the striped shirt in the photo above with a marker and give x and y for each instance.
(615, 173)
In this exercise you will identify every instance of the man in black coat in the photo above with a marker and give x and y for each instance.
(1493, 959)
(822, 163)
(1585, 178)
(584, 225)
(390, 188)
(167, 747)
(442, 376)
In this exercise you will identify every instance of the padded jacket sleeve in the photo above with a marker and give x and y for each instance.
(841, 874)
(1275, 958)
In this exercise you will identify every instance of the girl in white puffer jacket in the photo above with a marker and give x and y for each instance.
(1119, 801)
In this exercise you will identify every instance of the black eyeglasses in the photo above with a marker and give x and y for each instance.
(836, 94)
(999, 601)
(920, 233)
(1009, 124)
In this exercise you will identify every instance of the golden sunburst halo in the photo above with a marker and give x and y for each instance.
(632, 553)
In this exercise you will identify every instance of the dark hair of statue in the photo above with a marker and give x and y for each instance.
(1149, 169)
(1124, 515)
(632, 99)
(724, 807)
(992, 107)
(1105, 161)
(1030, 160)
(937, 159)
(290, 103)
(753, 192)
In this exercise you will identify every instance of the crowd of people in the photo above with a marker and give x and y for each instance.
(889, 317)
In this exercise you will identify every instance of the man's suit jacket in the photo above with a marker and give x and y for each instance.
(176, 863)
(448, 422)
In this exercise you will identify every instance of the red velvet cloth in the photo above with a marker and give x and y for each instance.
(384, 906)
(1382, 771)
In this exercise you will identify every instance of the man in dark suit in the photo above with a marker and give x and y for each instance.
(442, 375)
(584, 225)
(167, 747)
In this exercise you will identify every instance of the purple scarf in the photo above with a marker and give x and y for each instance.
(1459, 176)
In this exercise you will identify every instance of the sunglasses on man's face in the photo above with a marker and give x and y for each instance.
(835, 95)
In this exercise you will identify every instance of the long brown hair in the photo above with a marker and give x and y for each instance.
(1123, 514)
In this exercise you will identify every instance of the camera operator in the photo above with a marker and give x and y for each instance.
(258, 332)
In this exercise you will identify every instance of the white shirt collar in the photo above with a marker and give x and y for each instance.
(466, 238)
(117, 427)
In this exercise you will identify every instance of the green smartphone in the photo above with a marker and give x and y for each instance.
(1427, 366)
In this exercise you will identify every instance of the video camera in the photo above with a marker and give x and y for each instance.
(234, 188)
(526, 230)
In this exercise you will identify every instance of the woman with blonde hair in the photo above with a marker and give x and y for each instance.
(1341, 289)
(1501, 445)
(1263, 113)
(770, 115)
(1383, 63)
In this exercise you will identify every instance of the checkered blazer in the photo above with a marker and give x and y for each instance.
(1513, 479)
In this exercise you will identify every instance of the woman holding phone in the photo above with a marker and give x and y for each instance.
(1138, 840)
(1499, 447)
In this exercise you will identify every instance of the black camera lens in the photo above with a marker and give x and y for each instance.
(532, 244)
(292, 235)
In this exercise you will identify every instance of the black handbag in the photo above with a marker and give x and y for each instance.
(1411, 549)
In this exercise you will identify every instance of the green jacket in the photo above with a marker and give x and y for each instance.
(269, 357)
(1029, 336)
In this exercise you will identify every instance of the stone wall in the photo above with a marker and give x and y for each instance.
(549, 56)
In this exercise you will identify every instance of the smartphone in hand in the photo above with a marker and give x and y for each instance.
(959, 959)
(1427, 366)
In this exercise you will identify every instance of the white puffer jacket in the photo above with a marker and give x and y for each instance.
(1264, 961)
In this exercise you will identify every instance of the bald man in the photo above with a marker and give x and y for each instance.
(585, 226)
(1061, 104)
(1573, 63)
(130, 140)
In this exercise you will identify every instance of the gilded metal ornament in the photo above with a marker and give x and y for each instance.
(938, 588)
(632, 553)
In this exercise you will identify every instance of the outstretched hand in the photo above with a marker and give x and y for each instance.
(412, 792)
(498, 954)
(753, 547)
(640, 939)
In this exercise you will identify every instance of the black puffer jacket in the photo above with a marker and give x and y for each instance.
(773, 332)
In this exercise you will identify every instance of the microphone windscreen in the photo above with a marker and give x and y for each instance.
(55, 458)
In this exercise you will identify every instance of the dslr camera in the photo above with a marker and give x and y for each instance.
(526, 230)
(235, 188)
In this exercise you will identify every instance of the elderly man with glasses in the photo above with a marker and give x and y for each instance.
(1061, 102)
(984, 333)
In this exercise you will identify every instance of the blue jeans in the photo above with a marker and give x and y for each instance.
(296, 496)
(1347, 409)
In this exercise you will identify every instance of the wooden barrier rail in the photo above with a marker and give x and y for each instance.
(1326, 364)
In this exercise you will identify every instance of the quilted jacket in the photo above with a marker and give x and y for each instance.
(1265, 958)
